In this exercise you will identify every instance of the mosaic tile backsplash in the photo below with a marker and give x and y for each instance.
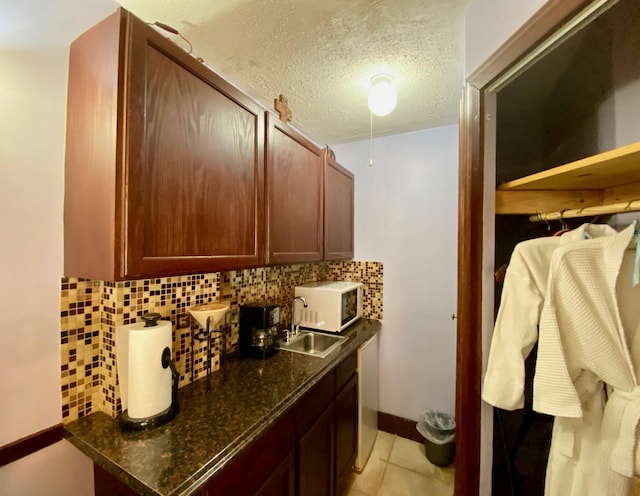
(91, 310)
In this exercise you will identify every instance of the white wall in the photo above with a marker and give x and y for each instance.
(33, 87)
(489, 23)
(406, 217)
(59, 469)
(31, 153)
(626, 73)
(32, 123)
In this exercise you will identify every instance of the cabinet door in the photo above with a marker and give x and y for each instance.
(346, 431)
(92, 244)
(105, 484)
(294, 196)
(282, 480)
(253, 469)
(315, 457)
(338, 210)
(164, 169)
(194, 164)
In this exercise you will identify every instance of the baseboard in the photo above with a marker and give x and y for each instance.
(399, 426)
(30, 444)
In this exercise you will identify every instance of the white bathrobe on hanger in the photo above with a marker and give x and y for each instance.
(583, 345)
(516, 328)
(515, 334)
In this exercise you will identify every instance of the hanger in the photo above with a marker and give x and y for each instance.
(543, 219)
(564, 226)
(635, 244)
(501, 272)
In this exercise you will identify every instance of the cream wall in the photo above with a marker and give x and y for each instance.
(58, 470)
(33, 81)
(32, 88)
(626, 75)
(489, 23)
(32, 99)
(406, 217)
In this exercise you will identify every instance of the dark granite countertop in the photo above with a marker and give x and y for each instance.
(212, 427)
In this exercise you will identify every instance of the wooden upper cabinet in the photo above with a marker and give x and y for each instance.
(165, 160)
(338, 210)
(294, 196)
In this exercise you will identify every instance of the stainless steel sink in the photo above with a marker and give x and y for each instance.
(312, 343)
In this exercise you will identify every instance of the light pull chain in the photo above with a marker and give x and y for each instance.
(371, 139)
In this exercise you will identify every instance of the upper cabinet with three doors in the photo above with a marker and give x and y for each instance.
(165, 166)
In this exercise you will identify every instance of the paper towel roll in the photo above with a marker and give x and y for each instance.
(145, 387)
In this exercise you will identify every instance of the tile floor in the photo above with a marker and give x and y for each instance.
(399, 467)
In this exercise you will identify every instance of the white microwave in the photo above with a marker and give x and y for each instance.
(332, 306)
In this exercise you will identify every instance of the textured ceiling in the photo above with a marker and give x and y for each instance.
(321, 54)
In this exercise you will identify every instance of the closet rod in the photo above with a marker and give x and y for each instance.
(613, 208)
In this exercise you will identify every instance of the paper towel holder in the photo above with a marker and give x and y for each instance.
(126, 422)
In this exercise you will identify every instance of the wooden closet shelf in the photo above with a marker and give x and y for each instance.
(605, 170)
(608, 180)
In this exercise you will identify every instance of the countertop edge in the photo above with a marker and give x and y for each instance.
(110, 466)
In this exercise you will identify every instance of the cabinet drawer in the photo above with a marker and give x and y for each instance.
(345, 370)
(314, 403)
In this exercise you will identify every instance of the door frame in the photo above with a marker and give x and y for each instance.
(471, 209)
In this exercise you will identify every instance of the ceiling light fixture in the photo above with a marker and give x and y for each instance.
(382, 95)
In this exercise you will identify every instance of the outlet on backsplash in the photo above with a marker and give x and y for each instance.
(183, 321)
(233, 318)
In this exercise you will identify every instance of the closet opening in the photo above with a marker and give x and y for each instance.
(578, 97)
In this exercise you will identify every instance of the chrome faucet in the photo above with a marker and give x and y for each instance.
(295, 328)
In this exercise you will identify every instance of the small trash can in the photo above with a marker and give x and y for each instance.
(438, 430)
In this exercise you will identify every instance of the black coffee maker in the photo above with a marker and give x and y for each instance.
(259, 329)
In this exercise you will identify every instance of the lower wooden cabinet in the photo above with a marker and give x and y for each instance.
(346, 433)
(251, 471)
(315, 457)
(282, 481)
(327, 449)
(106, 484)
